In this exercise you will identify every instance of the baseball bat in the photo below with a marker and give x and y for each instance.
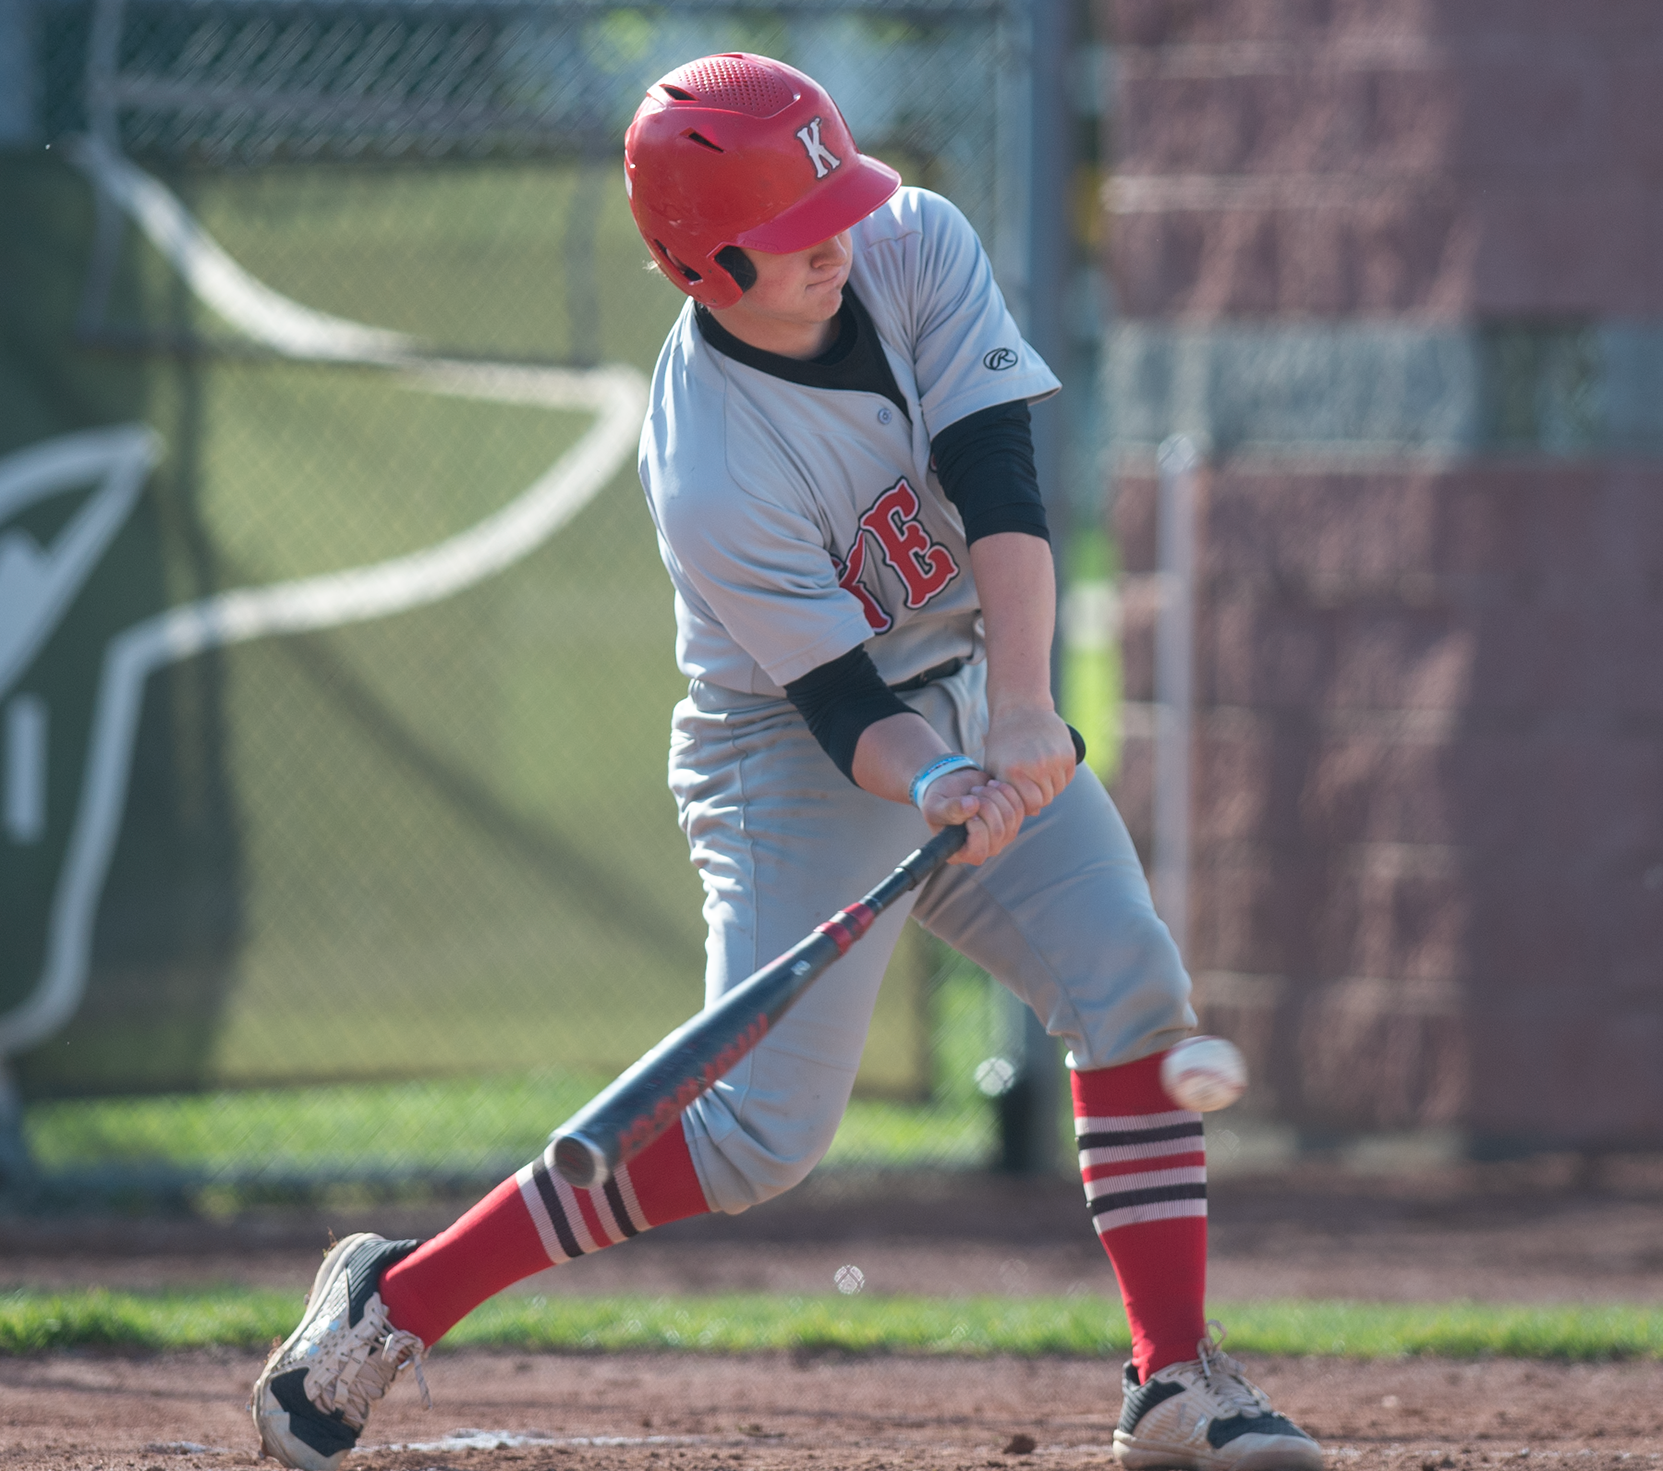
(625, 1117)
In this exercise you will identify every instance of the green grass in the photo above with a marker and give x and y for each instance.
(467, 1127)
(33, 1321)
(274, 1133)
(293, 1129)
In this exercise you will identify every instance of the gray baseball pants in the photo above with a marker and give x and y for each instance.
(781, 840)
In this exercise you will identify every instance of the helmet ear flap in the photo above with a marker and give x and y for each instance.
(737, 264)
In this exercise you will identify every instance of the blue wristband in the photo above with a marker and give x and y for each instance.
(933, 772)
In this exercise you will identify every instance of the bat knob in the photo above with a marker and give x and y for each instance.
(581, 1161)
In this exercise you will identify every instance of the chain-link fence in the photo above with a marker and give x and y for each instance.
(335, 654)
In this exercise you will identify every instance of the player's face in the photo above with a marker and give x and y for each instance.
(790, 308)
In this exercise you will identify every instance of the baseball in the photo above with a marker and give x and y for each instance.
(1204, 1073)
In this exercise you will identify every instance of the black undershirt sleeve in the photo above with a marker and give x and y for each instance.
(985, 463)
(840, 699)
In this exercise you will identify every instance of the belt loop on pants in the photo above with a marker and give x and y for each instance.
(929, 676)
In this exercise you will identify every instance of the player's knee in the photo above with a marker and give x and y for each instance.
(744, 1187)
(744, 1163)
(759, 1185)
(1142, 956)
(1168, 984)
(1139, 999)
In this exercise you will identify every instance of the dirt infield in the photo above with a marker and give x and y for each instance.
(659, 1412)
(1541, 1232)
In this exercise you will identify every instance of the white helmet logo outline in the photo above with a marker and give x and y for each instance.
(823, 159)
(38, 584)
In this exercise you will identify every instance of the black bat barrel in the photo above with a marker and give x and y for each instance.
(624, 1118)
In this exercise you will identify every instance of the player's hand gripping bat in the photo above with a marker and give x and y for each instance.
(624, 1118)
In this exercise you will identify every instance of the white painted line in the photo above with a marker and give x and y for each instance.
(503, 1440)
(219, 282)
(38, 584)
(26, 727)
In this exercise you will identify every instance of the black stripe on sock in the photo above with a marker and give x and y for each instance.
(557, 1212)
(620, 1213)
(1141, 1136)
(1151, 1196)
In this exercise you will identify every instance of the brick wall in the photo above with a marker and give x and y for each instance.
(1442, 157)
(1428, 845)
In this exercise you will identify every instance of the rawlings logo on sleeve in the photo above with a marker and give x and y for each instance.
(924, 565)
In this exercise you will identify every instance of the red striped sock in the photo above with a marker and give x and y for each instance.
(1145, 1168)
(531, 1221)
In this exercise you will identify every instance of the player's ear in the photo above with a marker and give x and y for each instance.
(737, 264)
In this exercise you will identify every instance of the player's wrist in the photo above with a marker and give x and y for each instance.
(1032, 705)
(929, 775)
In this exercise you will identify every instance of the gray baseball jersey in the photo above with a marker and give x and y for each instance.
(798, 522)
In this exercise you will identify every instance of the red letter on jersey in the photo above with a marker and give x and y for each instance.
(848, 578)
(925, 566)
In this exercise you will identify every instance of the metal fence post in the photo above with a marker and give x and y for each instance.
(18, 99)
(1028, 1109)
(104, 124)
(16, 1168)
(1174, 677)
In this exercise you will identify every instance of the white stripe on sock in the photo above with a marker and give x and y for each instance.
(626, 1188)
(1158, 1210)
(1146, 1180)
(540, 1216)
(574, 1215)
(608, 1216)
(1122, 1123)
(1113, 1154)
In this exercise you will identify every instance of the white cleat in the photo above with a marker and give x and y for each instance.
(1205, 1415)
(312, 1398)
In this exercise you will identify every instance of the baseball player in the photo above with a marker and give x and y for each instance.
(838, 460)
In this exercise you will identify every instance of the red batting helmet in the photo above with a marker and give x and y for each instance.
(742, 150)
